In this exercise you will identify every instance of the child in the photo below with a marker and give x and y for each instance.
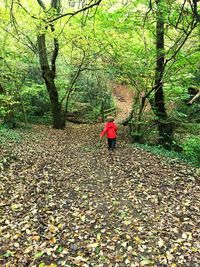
(110, 130)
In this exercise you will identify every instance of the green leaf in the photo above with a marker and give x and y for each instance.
(16, 207)
(59, 249)
(145, 261)
(39, 254)
(97, 250)
(7, 254)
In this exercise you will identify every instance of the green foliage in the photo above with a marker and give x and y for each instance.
(183, 113)
(94, 94)
(7, 134)
(189, 113)
(120, 44)
(191, 148)
(36, 103)
(190, 153)
(8, 107)
(161, 151)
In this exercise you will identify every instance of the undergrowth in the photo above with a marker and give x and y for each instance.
(191, 158)
(7, 135)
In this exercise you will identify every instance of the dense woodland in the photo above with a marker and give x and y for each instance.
(64, 201)
(58, 58)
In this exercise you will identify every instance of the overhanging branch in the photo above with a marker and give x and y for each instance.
(76, 12)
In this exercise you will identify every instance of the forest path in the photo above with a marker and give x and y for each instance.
(66, 202)
(123, 98)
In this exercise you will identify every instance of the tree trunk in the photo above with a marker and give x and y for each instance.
(58, 116)
(165, 128)
(1, 89)
(49, 77)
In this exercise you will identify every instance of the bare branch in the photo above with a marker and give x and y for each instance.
(146, 15)
(76, 12)
(74, 79)
(180, 14)
(182, 43)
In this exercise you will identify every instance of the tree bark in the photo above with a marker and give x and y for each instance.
(49, 77)
(165, 128)
(1, 89)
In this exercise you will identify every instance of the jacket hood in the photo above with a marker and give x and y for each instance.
(110, 124)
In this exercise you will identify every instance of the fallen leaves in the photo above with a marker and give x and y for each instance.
(64, 205)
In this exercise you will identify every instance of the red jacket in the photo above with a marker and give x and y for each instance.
(110, 129)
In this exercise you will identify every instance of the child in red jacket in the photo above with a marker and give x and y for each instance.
(110, 130)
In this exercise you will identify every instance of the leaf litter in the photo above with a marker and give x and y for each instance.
(66, 202)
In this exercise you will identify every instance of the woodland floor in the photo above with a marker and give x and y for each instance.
(66, 202)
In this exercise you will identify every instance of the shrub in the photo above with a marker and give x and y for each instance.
(191, 148)
(7, 134)
(36, 102)
(8, 107)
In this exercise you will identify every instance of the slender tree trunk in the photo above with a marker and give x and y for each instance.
(165, 128)
(49, 78)
(1, 89)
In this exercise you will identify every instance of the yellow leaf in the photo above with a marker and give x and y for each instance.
(53, 240)
(99, 236)
(137, 239)
(134, 253)
(60, 226)
(127, 222)
(194, 249)
(128, 237)
(52, 228)
(16, 207)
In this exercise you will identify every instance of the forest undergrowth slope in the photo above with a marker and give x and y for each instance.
(66, 202)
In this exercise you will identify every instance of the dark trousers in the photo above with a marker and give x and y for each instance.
(111, 143)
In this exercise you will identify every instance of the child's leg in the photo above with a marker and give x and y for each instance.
(113, 144)
(109, 143)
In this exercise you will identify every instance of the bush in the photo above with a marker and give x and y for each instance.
(36, 102)
(191, 148)
(8, 110)
(190, 153)
(7, 134)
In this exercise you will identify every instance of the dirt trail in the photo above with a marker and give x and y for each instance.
(123, 99)
(66, 202)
